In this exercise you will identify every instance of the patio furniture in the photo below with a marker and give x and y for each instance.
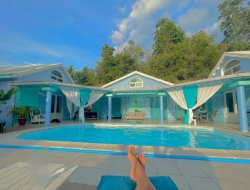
(2, 124)
(203, 115)
(125, 183)
(213, 115)
(28, 176)
(91, 115)
(135, 116)
(36, 116)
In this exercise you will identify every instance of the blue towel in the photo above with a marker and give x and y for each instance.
(125, 183)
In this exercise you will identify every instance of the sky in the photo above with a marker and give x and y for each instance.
(73, 32)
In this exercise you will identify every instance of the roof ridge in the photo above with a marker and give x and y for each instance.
(140, 73)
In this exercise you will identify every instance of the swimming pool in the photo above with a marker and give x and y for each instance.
(147, 136)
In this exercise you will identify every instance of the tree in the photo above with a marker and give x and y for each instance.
(106, 67)
(166, 33)
(71, 71)
(85, 77)
(235, 22)
(191, 59)
(112, 66)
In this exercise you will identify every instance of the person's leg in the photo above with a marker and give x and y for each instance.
(132, 158)
(138, 170)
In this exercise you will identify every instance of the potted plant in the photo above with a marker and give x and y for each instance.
(22, 113)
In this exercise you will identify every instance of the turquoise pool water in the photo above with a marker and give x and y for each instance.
(147, 136)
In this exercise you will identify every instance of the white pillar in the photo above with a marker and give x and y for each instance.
(109, 108)
(48, 108)
(242, 113)
(161, 109)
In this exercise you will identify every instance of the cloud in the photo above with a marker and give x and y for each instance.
(194, 17)
(202, 16)
(138, 25)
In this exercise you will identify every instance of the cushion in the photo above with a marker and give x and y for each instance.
(125, 183)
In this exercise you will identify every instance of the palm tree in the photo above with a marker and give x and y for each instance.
(6, 96)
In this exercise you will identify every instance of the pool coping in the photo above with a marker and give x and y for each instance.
(10, 141)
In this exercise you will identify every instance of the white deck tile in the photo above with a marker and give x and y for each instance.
(199, 183)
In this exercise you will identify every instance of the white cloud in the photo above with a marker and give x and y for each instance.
(138, 25)
(191, 15)
(193, 18)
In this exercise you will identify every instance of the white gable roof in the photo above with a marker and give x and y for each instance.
(233, 54)
(138, 73)
(18, 71)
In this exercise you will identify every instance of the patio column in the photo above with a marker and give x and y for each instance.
(109, 107)
(242, 113)
(48, 108)
(161, 96)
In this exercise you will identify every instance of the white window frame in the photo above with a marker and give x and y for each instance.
(135, 84)
(55, 77)
(230, 70)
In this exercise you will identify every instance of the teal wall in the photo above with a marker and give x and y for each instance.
(101, 107)
(30, 97)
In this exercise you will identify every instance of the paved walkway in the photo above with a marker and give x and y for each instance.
(187, 174)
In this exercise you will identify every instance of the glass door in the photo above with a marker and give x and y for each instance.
(56, 107)
(230, 103)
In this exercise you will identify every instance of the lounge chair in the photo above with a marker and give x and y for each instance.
(27, 176)
(36, 116)
(125, 183)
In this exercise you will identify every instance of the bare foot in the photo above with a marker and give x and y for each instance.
(133, 160)
(141, 157)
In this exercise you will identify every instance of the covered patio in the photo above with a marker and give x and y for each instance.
(219, 102)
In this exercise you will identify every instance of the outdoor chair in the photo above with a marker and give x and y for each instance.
(213, 115)
(36, 116)
(125, 183)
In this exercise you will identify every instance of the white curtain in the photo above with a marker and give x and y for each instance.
(94, 97)
(204, 93)
(179, 98)
(69, 106)
(73, 96)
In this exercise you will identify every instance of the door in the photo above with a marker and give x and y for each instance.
(230, 105)
(56, 107)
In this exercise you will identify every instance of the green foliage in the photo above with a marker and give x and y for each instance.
(71, 71)
(6, 96)
(166, 33)
(113, 66)
(235, 24)
(193, 58)
(85, 77)
(22, 112)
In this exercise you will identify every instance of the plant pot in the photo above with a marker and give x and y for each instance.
(22, 121)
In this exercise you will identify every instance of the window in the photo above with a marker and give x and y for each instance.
(56, 75)
(231, 68)
(135, 83)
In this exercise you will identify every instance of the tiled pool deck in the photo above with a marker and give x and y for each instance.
(187, 174)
